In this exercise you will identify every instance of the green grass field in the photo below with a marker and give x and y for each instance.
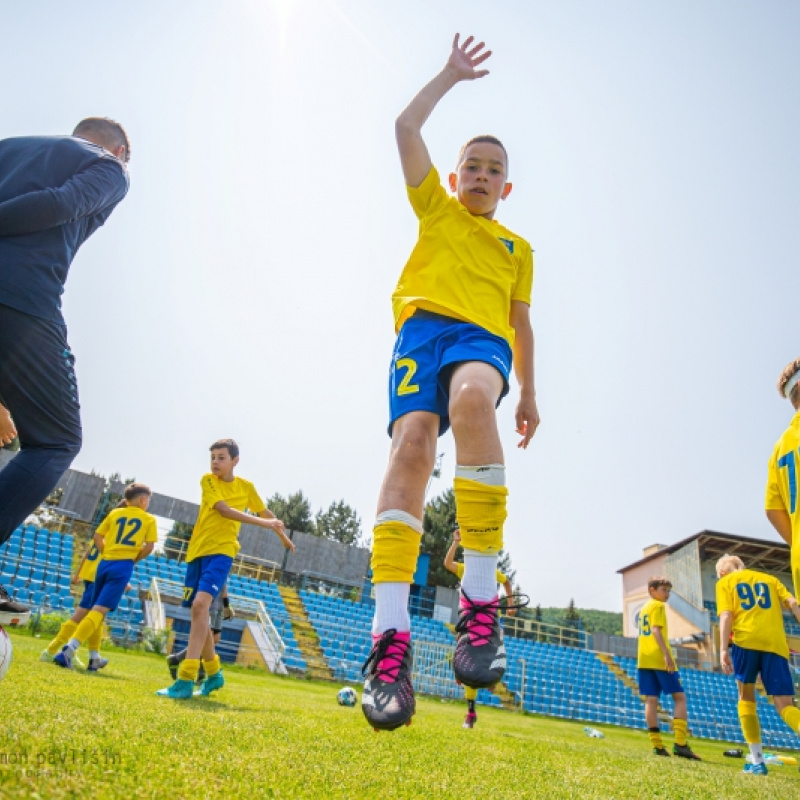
(69, 734)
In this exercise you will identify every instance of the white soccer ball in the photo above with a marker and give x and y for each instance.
(5, 652)
(346, 696)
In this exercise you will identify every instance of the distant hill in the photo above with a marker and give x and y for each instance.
(594, 621)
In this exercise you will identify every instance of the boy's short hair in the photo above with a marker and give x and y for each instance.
(108, 130)
(483, 139)
(226, 444)
(657, 581)
(134, 490)
(728, 564)
(789, 371)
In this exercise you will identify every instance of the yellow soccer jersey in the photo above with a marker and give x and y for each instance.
(653, 615)
(90, 564)
(124, 531)
(462, 266)
(214, 534)
(498, 576)
(756, 601)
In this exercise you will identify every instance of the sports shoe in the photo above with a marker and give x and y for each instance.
(210, 684)
(64, 658)
(180, 690)
(684, 751)
(470, 720)
(11, 612)
(480, 658)
(96, 664)
(45, 656)
(661, 751)
(755, 769)
(388, 697)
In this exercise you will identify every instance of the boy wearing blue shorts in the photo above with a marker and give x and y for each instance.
(658, 673)
(749, 605)
(212, 548)
(461, 310)
(126, 536)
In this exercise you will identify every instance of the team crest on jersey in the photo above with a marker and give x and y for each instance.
(509, 243)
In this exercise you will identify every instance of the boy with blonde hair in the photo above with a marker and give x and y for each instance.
(749, 605)
(658, 672)
(784, 465)
(461, 312)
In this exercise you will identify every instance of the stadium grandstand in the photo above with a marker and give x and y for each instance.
(311, 616)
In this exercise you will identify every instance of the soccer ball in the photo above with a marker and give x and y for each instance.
(5, 653)
(346, 696)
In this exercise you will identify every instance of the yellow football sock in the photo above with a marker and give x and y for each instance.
(470, 693)
(680, 727)
(481, 512)
(655, 737)
(791, 716)
(212, 667)
(62, 637)
(748, 719)
(88, 625)
(188, 669)
(95, 640)
(395, 547)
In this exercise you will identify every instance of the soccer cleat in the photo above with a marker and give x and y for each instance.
(388, 697)
(11, 612)
(180, 690)
(755, 769)
(96, 664)
(480, 657)
(684, 751)
(661, 751)
(45, 656)
(210, 684)
(64, 658)
(470, 720)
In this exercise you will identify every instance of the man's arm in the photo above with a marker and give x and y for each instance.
(782, 523)
(461, 66)
(527, 414)
(725, 626)
(662, 646)
(102, 185)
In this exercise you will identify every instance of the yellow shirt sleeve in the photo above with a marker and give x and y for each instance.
(783, 593)
(102, 528)
(524, 285)
(773, 500)
(724, 599)
(151, 532)
(658, 617)
(428, 196)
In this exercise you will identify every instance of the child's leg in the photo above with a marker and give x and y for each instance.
(66, 631)
(784, 705)
(651, 718)
(748, 719)
(680, 718)
(198, 637)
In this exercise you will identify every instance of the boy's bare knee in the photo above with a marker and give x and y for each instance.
(414, 442)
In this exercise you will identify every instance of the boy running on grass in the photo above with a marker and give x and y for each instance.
(749, 605)
(212, 548)
(126, 536)
(461, 310)
(658, 673)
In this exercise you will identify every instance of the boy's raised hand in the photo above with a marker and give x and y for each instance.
(465, 58)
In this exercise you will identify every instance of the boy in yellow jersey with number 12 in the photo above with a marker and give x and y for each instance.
(462, 318)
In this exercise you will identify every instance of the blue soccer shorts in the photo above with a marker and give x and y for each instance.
(86, 597)
(428, 348)
(774, 670)
(205, 574)
(655, 682)
(110, 582)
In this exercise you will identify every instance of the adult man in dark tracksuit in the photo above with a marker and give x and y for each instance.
(55, 191)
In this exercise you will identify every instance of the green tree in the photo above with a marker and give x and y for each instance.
(294, 511)
(339, 522)
(572, 619)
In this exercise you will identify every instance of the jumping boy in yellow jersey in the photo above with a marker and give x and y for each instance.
(461, 310)
(126, 536)
(783, 509)
(457, 568)
(657, 671)
(214, 543)
(750, 604)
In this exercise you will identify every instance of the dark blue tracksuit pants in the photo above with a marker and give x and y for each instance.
(38, 384)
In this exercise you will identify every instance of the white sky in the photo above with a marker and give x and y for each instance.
(242, 288)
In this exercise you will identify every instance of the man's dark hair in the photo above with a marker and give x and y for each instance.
(226, 444)
(484, 139)
(107, 130)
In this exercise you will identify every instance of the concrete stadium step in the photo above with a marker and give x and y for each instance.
(305, 635)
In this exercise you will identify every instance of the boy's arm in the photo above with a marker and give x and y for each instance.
(527, 414)
(791, 604)
(144, 552)
(509, 590)
(287, 542)
(100, 541)
(272, 522)
(449, 559)
(725, 625)
(80, 566)
(782, 523)
(662, 646)
(461, 66)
